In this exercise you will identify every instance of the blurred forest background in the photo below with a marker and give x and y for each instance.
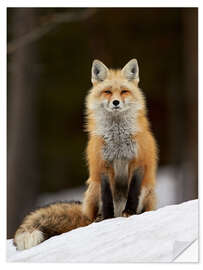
(50, 51)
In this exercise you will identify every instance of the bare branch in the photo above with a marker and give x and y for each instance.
(41, 30)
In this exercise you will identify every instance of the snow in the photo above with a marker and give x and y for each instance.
(169, 187)
(156, 236)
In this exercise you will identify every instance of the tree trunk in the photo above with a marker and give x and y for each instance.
(190, 67)
(22, 144)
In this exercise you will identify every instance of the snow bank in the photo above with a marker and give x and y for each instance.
(156, 236)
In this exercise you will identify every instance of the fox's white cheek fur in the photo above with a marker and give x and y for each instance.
(107, 105)
(127, 100)
(105, 102)
(27, 240)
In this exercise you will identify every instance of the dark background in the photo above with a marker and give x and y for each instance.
(50, 51)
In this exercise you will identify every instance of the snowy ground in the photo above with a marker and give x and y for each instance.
(156, 236)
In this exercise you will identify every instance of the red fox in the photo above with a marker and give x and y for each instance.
(121, 155)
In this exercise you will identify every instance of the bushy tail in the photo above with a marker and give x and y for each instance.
(48, 221)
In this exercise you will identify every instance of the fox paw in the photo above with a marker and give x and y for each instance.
(128, 213)
(27, 240)
(99, 218)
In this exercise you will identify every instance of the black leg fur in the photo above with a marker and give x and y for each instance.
(133, 194)
(107, 200)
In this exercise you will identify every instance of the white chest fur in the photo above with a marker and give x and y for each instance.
(117, 131)
(118, 142)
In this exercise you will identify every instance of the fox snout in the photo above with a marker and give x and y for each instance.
(116, 103)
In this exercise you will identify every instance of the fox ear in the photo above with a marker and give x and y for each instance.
(131, 70)
(99, 71)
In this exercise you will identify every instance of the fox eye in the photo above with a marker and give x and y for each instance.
(107, 92)
(124, 91)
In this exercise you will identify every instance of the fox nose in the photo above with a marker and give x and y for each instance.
(116, 102)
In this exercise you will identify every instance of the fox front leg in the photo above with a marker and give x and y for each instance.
(106, 197)
(133, 195)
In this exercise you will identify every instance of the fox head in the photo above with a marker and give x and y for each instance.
(115, 91)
